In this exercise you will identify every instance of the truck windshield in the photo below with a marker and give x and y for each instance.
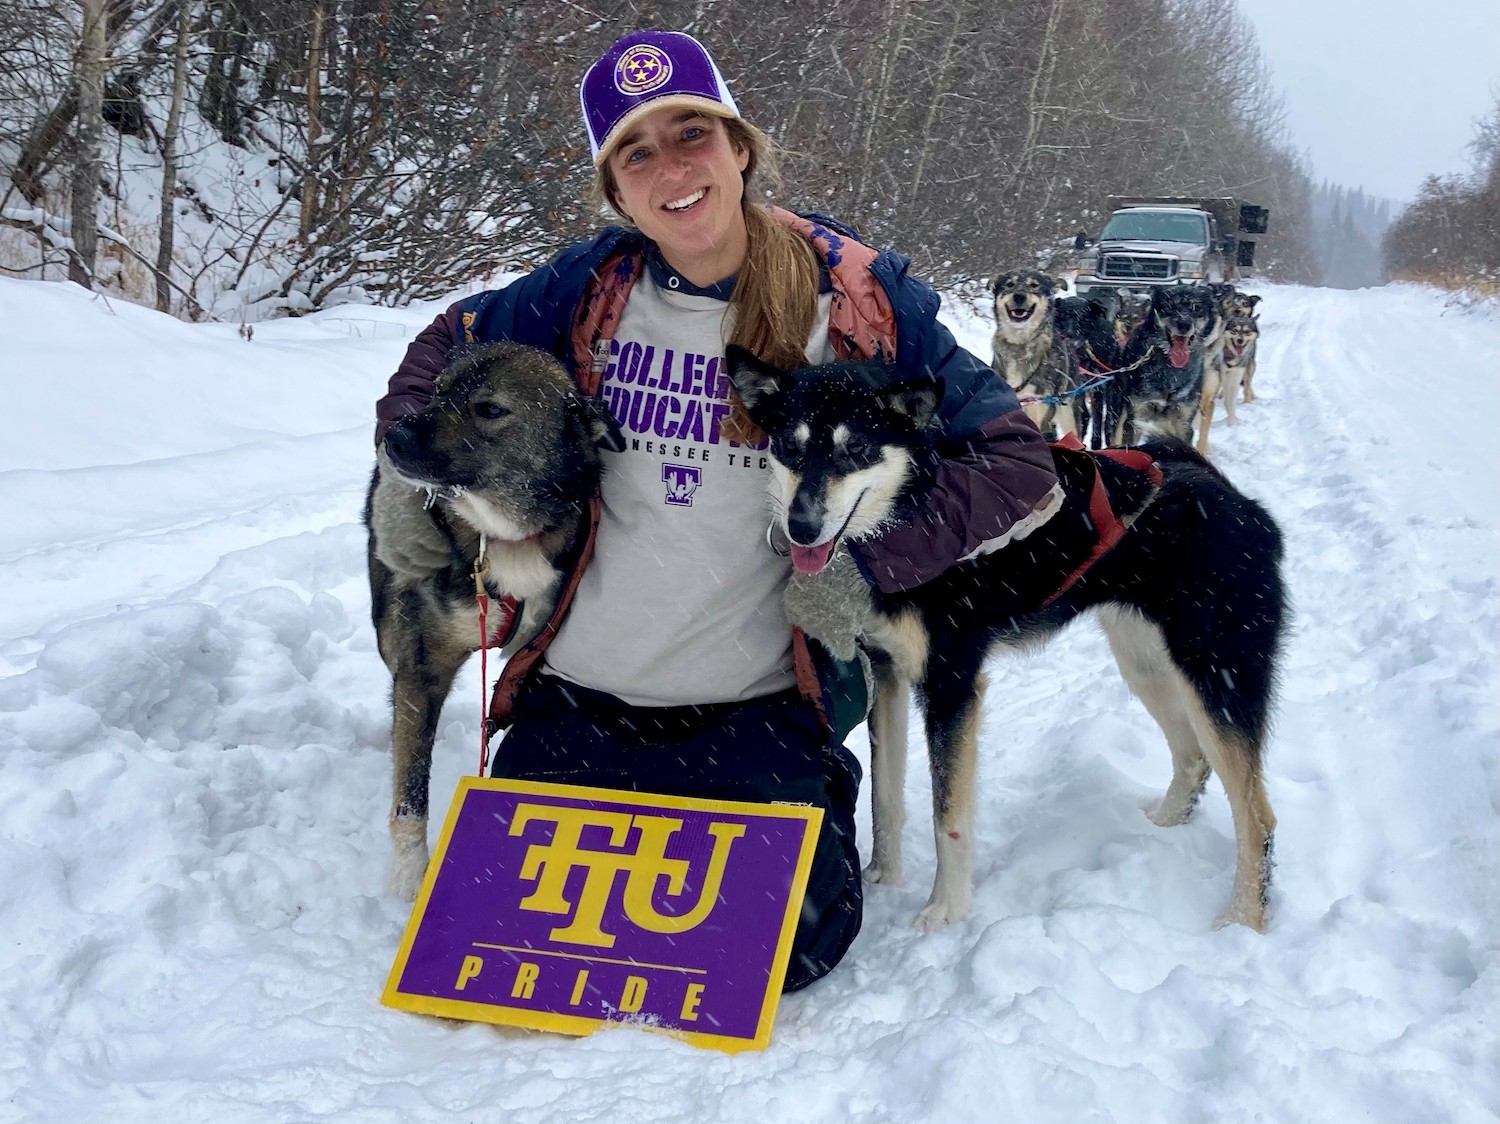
(1155, 226)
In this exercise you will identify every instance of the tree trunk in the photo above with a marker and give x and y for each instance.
(89, 71)
(939, 92)
(309, 216)
(36, 157)
(894, 45)
(1036, 100)
(169, 159)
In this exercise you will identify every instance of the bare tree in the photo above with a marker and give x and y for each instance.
(93, 50)
(166, 233)
(386, 150)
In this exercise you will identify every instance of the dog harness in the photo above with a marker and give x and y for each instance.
(1108, 525)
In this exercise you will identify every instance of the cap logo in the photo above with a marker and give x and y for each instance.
(641, 69)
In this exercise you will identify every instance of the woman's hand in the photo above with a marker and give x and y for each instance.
(833, 606)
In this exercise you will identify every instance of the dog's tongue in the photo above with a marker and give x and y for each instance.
(1178, 355)
(811, 559)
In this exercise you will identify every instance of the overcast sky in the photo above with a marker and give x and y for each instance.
(1380, 93)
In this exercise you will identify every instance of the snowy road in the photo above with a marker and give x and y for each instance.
(193, 766)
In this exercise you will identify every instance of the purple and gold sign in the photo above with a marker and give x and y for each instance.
(563, 908)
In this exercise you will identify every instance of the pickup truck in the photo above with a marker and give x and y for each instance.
(1148, 242)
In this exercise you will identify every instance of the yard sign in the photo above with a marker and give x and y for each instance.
(564, 908)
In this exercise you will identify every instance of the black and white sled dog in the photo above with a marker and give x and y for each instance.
(507, 453)
(1159, 393)
(1190, 597)
(1030, 354)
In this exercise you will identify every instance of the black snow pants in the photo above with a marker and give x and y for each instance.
(765, 750)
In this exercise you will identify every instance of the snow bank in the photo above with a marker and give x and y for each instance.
(193, 764)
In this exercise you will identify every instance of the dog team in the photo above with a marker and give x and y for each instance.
(1113, 367)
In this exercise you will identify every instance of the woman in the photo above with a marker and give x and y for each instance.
(673, 668)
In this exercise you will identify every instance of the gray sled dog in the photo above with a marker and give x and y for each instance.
(1029, 352)
(1240, 340)
(506, 454)
(1184, 571)
(1135, 309)
(1230, 304)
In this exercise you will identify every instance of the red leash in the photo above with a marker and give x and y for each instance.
(512, 610)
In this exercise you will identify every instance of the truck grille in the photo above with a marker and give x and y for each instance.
(1138, 267)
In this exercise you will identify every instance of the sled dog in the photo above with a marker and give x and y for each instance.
(1135, 309)
(1240, 340)
(508, 454)
(1030, 354)
(1088, 325)
(1160, 393)
(1239, 304)
(1189, 594)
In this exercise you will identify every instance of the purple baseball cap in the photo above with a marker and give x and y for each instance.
(646, 71)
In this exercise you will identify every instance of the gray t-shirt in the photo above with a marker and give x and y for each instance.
(682, 601)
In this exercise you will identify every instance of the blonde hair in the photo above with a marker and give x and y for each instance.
(775, 297)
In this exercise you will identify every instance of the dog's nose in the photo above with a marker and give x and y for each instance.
(400, 442)
(804, 519)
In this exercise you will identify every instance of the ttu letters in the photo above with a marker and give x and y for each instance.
(552, 863)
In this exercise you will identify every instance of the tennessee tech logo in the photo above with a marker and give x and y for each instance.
(551, 865)
(642, 69)
(682, 481)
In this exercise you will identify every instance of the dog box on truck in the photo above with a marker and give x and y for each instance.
(1150, 241)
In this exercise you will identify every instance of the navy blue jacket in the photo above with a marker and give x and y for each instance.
(996, 467)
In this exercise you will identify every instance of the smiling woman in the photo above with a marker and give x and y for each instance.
(677, 176)
(669, 664)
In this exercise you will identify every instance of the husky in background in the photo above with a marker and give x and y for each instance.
(1187, 584)
(508, 456)
(1239, 304)
(1134, 311)
(1159, 394)
(1240, 340)
(1088, 324)
(1242, 306)
(1030, 355)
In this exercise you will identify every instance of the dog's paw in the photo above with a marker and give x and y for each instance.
(1168, 812)
(405, 879)
(408, 858)
(1252, 917)
(886, 873)
(939, 914)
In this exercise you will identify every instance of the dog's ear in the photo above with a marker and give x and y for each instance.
(1058, 284)
(995, 283)
(1253, 301)
(600, 423)
(754, 380)
(917, 400)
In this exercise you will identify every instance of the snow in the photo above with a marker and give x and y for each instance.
(194, 774)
